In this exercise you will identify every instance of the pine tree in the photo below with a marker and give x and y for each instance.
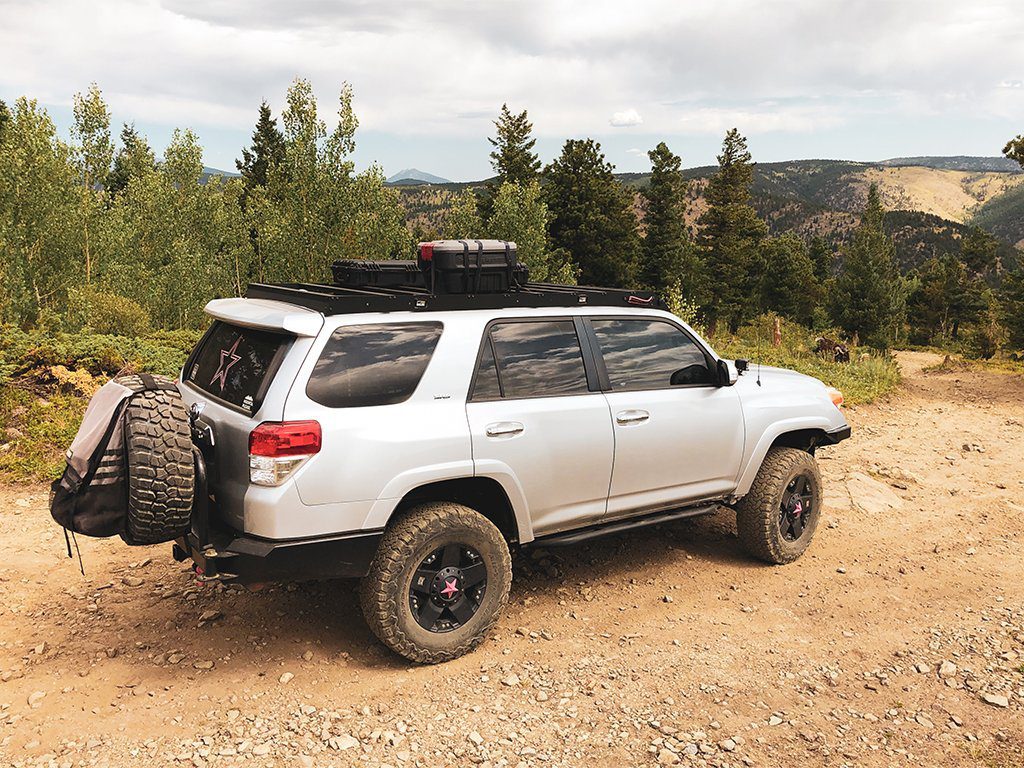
(266, 153)
(868, 296)
(823, 257)
(513, 158)
(592, 215)
(730, 232)
(668, 258)
(978, 251)
(945, 297)
(787, 283)
(1011, 298)
(1014, 150)
(133, 159)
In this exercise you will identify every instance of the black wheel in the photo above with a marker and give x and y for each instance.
(776, 520)
(438, 582)
(160, 469)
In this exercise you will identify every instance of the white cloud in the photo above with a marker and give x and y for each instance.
(442, 68)
(625, 119)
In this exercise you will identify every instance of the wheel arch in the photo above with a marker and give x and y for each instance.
(804, 434)
(485, 495)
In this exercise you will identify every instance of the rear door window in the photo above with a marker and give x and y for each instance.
(534, 359)
(377, 364)
(236, 364)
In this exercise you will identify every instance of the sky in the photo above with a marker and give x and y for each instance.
(856, 79)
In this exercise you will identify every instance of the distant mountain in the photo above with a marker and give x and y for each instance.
(412, 176)
(959, 163)
(208, 173)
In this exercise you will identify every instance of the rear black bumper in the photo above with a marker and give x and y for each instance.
(838, 435)
(232, 556)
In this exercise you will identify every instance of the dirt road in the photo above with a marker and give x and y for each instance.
(898, 639)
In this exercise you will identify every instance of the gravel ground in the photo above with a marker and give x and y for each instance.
(898, 639)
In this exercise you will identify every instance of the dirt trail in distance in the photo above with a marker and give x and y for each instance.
(898, 639)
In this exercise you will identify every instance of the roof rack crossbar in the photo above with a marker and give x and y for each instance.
(337, 299)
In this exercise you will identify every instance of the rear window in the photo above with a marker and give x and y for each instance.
(236, 364)
(372, 364)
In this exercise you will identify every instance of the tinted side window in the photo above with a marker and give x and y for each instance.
(643, 354)
(235, 363)
(539, 359)
(486, 386)
(372, 364)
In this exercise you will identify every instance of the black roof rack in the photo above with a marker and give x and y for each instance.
(343, 300)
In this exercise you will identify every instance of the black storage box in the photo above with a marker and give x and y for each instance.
(377, 274)
(471, 266)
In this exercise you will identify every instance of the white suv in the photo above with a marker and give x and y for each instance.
(414, 441)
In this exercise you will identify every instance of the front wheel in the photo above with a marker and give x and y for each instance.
(438, 583)
(777, 518)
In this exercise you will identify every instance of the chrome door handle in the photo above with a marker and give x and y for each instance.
(504, 429)
(625, 418)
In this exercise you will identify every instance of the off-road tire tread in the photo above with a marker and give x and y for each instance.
(379, 593)
(757, 512)
(160, 469)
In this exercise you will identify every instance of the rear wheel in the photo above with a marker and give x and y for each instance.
(438, 582)
(777, 518)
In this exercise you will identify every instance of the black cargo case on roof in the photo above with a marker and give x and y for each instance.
(471, 266)
(448, 275)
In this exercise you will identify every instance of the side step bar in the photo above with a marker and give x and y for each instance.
(570, 538)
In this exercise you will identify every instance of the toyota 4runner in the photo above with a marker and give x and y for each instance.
(413, 441)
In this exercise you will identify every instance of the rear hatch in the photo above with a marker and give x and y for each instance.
(230, 377)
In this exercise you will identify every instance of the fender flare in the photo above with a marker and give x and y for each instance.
(768, 437)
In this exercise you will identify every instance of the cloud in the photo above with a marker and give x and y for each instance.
(441, 69)
(625, 119)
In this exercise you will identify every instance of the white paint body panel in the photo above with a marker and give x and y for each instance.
(557, 472)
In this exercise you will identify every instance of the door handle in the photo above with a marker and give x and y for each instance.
(625, 418)
(504, 429)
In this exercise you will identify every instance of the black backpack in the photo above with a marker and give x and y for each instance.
(91, 495)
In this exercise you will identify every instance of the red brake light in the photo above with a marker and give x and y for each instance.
(285, 438)
(426, 251)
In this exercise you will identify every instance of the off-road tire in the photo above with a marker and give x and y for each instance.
(757, 513)
(384, 591)
(160, 469)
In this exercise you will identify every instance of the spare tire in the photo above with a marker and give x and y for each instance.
(159, 464)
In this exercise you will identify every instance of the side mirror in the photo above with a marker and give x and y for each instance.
(728, 373)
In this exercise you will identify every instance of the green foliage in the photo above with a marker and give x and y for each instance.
(520, 215)
(1012, 300)
(38, 216)
(462, 221)
(786, 282)
(106, 313)
(46, 381)
(592, 216)
(730, 233)
(513, 158)
(868, 298)
(5, 117)
(868, 376)
(266, 154)
(133, 159)
(1014, 150)
(944, 297)
(668, 258)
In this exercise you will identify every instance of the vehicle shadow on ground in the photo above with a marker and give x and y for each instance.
(272, 629)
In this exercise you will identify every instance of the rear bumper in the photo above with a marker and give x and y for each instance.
(231, 556)
(838, 435)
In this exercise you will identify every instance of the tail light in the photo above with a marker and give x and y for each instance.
(278, 448)
(835, 396)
